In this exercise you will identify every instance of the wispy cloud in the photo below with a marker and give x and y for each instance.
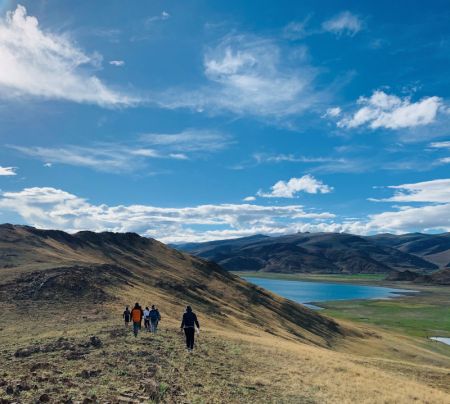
(382, 110)
(189, 140)
(440, 145)
(161, 17)
(345, 23)
(7, 171)
(292, 187)
(249, 75)
(117, 63)
(428, 191)
(133, 156)
(38, 63)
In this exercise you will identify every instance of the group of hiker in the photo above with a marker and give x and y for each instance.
(152, 317)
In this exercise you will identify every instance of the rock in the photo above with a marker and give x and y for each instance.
(40, 365)
(95, 342)
(75, 355)
(25, 352)
(87, 374)
(9, 389)
(44, 398)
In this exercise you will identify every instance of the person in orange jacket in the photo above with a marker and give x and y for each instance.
(136, 316)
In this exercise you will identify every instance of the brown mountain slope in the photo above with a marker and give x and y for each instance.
(56, 266)
(307, 252)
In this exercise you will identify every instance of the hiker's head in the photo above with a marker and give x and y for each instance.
(136, 306)
(188, 309)
(146, 308)
(153, 307)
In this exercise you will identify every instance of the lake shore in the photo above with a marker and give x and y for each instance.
(422, 315)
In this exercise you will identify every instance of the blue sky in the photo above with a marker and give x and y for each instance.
(196, 120)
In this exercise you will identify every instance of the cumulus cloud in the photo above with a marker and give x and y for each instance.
(7, 171)
(249, 199)
(289, 189)
(249, 75)
(42, 64)
(382, 110)
(54, 208)
(345, 23)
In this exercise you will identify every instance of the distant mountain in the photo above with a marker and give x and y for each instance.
(86, 268)
(432, 247)
(309, 252)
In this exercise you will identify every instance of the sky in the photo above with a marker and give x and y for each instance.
(202, 120)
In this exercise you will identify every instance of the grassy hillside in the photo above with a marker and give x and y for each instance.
(253, 347)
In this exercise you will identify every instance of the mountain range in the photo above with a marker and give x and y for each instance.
(328, 253)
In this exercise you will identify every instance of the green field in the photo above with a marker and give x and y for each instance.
(351, 278)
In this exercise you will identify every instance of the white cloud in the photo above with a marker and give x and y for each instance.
(344, 23)
(7, 171)
(57, 209)
(382, 110)
(296, 30)
(249, 75)
(249, 199)
(117, 63)
(161, 17)
(332, 112)
(437, 191)
(444, 160)
(289, 189)
(189, 140)
(37, 63)
(440, 145)
(292, 158)
(125, 158)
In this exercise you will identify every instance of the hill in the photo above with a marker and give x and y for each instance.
(308, 252)
(432, 247)
(441, 277)
(63, 340)
(57, 266)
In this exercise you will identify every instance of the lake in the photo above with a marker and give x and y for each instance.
(309, 292)
(441, 339)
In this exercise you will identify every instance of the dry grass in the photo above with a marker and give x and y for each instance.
(229, 365)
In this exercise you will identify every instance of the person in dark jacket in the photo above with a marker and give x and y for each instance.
(154, 318)
(127, 316)
(188, 324)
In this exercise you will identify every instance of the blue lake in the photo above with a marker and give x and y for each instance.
(308, 292)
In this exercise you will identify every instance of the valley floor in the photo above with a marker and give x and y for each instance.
(228, 366)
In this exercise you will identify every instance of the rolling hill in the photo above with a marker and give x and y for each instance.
(309, 252)
(431, 247)
(63, 340)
